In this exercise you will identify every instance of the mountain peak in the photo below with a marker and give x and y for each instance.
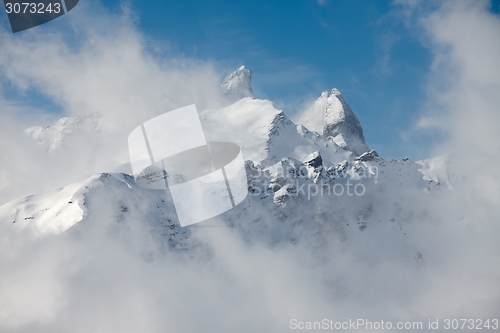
(238, 84)
(342, 125)
(331, 116)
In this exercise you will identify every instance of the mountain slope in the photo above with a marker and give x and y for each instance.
(106, 200)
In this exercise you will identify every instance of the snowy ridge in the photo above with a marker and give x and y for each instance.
(265, 134)
(51, 212)
(52, 138)
(107, 199)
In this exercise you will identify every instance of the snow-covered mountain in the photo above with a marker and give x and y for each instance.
(313, 180)
(109, 198)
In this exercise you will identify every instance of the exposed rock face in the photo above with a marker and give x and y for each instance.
(367, 156)
(313, 160)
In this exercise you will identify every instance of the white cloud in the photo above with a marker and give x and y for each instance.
(464, 81)
(463, 103)
(98, 67)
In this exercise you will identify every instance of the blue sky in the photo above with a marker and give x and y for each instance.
(297, 49)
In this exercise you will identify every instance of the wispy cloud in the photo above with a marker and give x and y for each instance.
(92, 68)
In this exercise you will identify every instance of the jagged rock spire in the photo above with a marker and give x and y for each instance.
(342, 124)
(331, 116)
(238, 84)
